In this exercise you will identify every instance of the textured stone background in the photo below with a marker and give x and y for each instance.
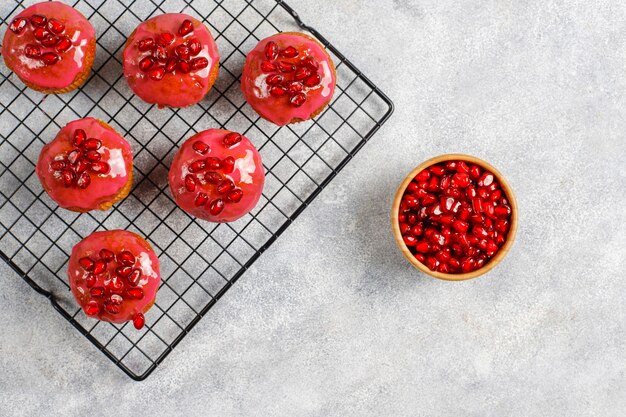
(332, 321)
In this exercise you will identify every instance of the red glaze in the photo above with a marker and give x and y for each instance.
(109, 286)
(46, 44)
(217, 175)
(85, 166)
(454, 217)
(171, 60)
(288, 78)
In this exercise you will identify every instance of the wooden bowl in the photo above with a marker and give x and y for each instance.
(506, 188)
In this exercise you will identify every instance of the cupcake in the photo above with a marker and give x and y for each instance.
(88, 166)
(51, 47)
(288, 78)
(217, 175)
(114, 276)
(171, 60)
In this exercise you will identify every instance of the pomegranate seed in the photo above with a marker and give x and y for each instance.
(40, 33)
(231, 139)
(81, 166)
(92, 144)
(171, 64)
(111, 308)
(64, 44)
(157, 73)
(271, 50)
(100, 167)
(199, 63)
(411, 200)
(93, 156)
(468, 264)
(409, 240)
(201, 199)
(225, 186)
(99, 267)
(422, 246)
(86, 263)
(134, 277)
(49, 41)
(136, 293)
(38, 20)
(68, 177)
(228, 164)
(302, 73)
(56, 26)
(475, 172)
(139, 321)
(502, 211)
(485, 180)
(311, 63)
(32, 51)
(313, 80)
(502, 225)
(106, 255)
(90, 281)
(437, 170)
(190, 183)
(212, 177)
(50, 58)
(184, 67)
(126, 258)
(145, 45)
(295, 87)
(461, 180)
(201, 147)
(115, 285)
(146, 63)
(185, 28)
(17, 25)
(289, 52)
(216, 206)
(123, 271)
(73, 156)
(274, 79)
(160, 54)
(267, 66)
(477, 205)
(165, 39)
(213, 163)
(79, 137)
(92, 308)
(235, 196)
(422, 176)
(285, 66)
(194, 46)
(57, 165)
(96, 292)
(83, 180)
(278, 91)
(182, 51)
(198, 165)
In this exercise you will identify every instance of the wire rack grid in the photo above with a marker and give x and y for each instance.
(200, 261)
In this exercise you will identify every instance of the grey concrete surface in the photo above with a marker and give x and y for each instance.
(332, 321)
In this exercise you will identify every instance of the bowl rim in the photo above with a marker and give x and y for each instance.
(502, 252)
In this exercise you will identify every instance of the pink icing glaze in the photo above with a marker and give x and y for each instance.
(278, 110)
(115, 151)
(248, 175)
(175, 89)
(116, 241)
(62, 73)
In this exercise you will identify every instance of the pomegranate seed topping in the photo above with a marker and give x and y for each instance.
(201, 147)
(40, 33)
(126, 258)
(295, 87)
(93, 156)
(111, 308)
(298, 99)
(213, 177)
(475, 172)
(274, 79)
(64, 44)
(213, 163)
(68, 177)
(271, 50)
(182, 51)
(160, 54)
(409, 240)
(106, 255)
(231, 139)
(185, 28)
(139, 321)
(50, 58)
(135, 276)
(81, 166)
(99, 267)
(32, 51)
(225, 186)
(201, 199)
(267, 66)
(311, 63)
(157, 73)
(502, 211)
(56, 26)
(146, 63)
(289, 52)
(216, 206)
(190, 183)
(197, 166)
(199, 63)
(313, 80)
(123, 271)
(49, 41)
(184, 67)
(83, 180)
(92, 144)
(145, 45)
(115, 285)
(96, 292)
(171, 64)
(38, 20)
(57, 165)
(228, 164)
(165, 39)
(92, 308)
(278, 91)
(235, 195)
(194, 46)
(17, 25)
(86, 263)
(302, 73)
(485, 180)
(285, 66)
(79, 137)
(100, 167)
(136, 293)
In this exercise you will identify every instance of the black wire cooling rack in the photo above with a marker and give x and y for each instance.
(200, 261)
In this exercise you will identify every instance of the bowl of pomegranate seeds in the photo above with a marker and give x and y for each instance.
(454, 217)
